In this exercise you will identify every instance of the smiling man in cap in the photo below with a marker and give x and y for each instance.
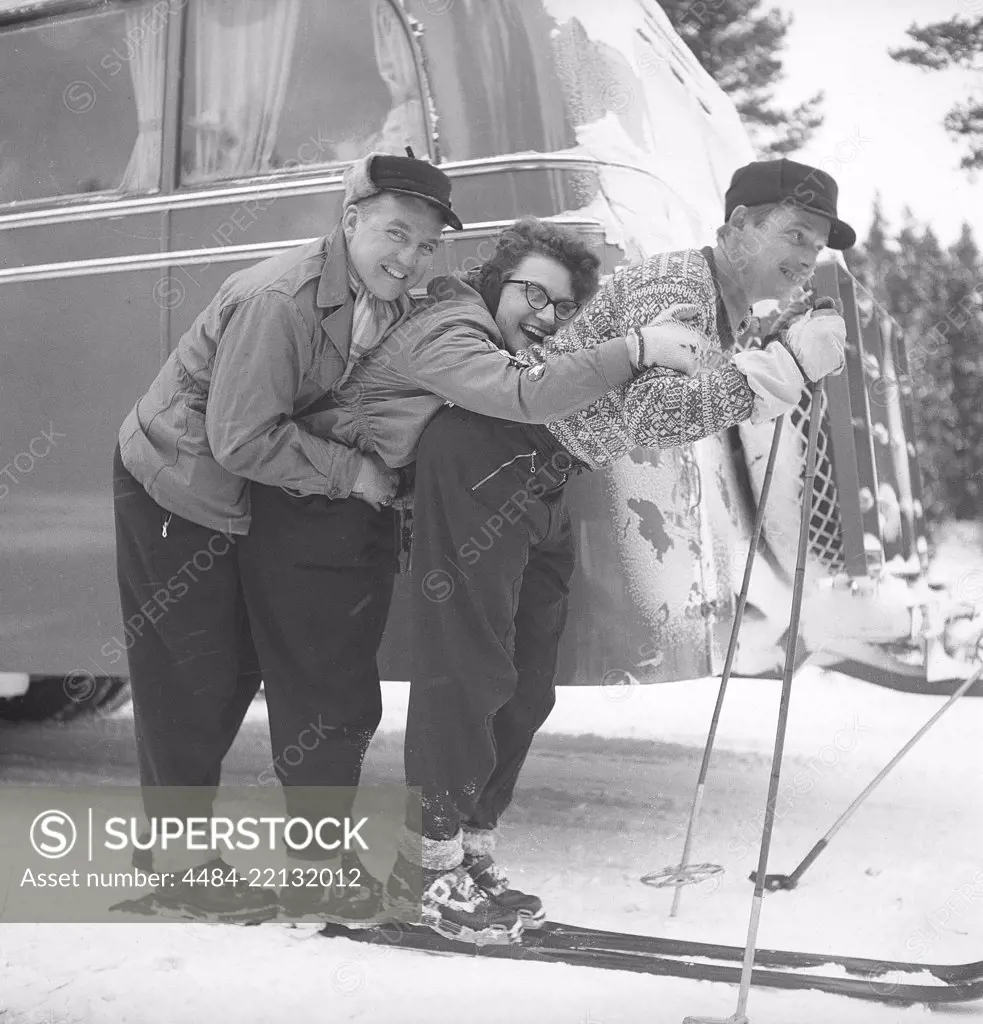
(223, 444)
(486, 647)
(780, 215)
(211, 448)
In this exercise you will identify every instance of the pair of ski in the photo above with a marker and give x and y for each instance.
(884, 981)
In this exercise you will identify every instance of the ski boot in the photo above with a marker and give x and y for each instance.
(351, 896)
(214, 891)
(451, 904)
(492, 879)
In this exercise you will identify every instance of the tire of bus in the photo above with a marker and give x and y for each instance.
(52, 698)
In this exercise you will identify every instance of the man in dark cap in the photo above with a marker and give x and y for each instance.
(485, 644)
(209, 445)
(779, 216)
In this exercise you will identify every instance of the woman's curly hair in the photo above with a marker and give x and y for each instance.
(533, 236)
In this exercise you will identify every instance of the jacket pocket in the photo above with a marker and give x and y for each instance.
(326, 368)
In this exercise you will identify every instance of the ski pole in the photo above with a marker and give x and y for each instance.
(694, 814)
(775, 882)
(740, 1016)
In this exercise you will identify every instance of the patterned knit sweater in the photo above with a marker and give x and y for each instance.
(661, 408)
(394, 392)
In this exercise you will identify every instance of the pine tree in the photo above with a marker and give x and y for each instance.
(956, 43)
(869, 260)
(918, 292)
(964, 334)
(907, 275)
(739, 46)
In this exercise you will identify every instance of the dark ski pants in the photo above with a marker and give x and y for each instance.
(318, 576)
(492, 560)
(308, 593)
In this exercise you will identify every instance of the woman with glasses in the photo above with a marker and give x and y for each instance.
(493, 552)
(492, 549)
(447, 348)
(530, 307)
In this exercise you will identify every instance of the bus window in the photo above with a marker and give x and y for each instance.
(281, 87)
(80, 102)
(495, 79)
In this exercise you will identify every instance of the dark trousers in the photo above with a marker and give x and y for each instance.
(193, 666)
(309, 590)
(492, 560)
(318, 577)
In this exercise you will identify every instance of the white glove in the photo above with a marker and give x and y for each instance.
(773, 377)
(818, 342)
(669, 340)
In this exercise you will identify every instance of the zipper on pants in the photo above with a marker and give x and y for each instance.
(531, 456)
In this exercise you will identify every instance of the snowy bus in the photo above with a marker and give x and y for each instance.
(149, 148)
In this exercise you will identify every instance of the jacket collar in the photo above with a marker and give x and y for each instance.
(725, 331)
(332, 289)
(335, 297)
(333, 294)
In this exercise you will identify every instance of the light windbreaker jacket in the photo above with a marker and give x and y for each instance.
(228, 405)
(427, 361)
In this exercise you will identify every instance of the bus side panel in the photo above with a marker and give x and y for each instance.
(63, 241)
(245, 221)
(652, 597)
(77, 352)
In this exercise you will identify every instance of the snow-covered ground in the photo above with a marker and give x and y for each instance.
(604, 798)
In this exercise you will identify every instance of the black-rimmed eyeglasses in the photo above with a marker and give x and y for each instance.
(537, 298)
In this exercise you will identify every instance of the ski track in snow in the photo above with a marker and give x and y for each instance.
(166, 973)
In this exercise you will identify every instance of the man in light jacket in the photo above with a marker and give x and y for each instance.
(218, 436)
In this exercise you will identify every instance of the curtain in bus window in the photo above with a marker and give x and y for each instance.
(274, 87)
(404, 125)
(147, 72)
(243, 56)
(532, 23)
(80, 97)
(507, 100)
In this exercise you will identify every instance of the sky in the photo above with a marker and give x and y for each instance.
(883, 128)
